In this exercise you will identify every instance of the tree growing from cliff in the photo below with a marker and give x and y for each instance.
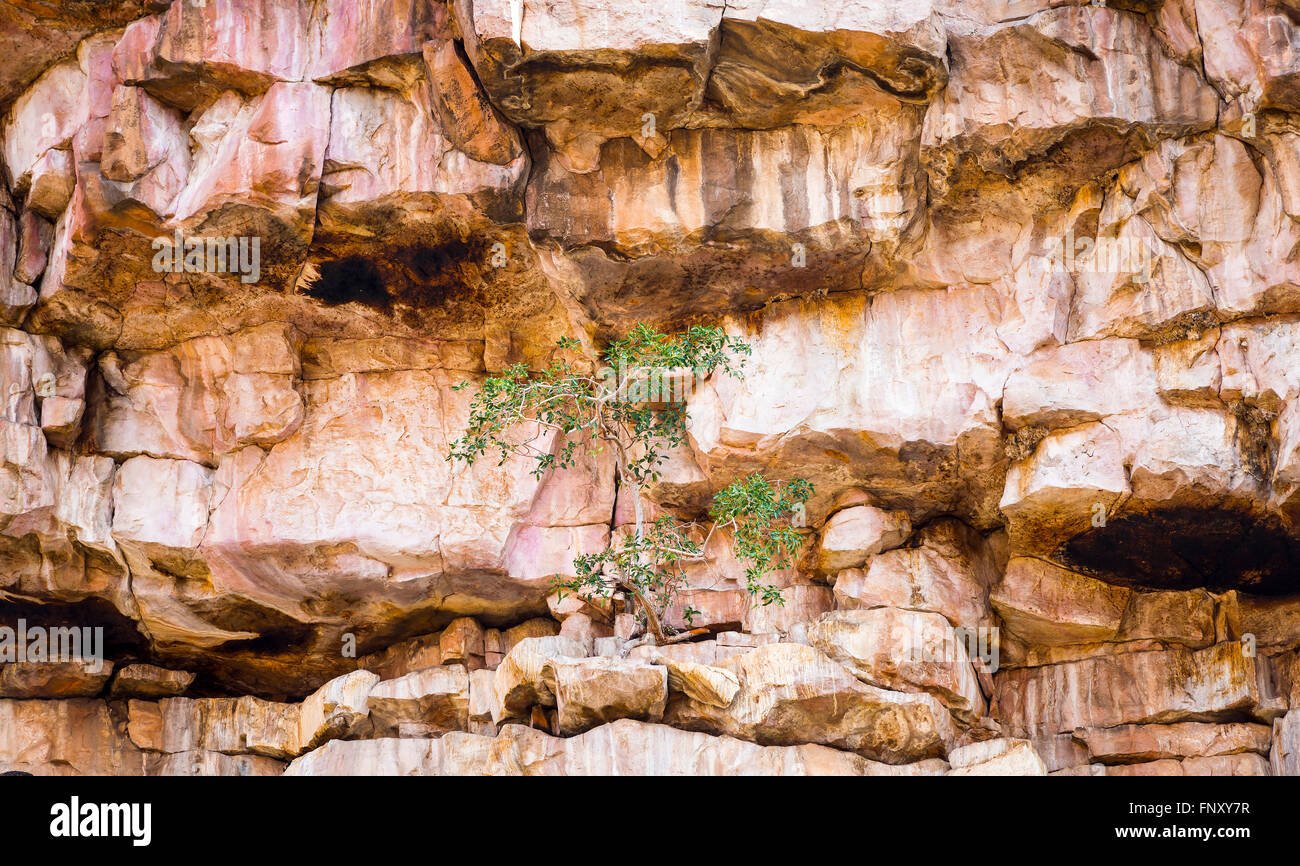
(636, 405)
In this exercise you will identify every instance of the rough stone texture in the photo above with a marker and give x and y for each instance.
(996, 758)
(594, 691)
(791, 693)
(623, 748)
(1170, 686)
(66, 738)
(148, 681)
(1284, 760)
(854, 535)
(904, 651)
(422, 703)
(53, 679)
(1021, 286)
(1129, 744)
(337, 709)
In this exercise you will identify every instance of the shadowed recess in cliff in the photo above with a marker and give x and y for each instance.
(416, 277)
(1187, 548)
(123, 641)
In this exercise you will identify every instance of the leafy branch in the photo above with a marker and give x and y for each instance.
(636, 405)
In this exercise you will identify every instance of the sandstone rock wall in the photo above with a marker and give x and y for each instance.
(1022, 284)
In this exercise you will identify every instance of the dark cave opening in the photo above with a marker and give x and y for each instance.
(1186, 548)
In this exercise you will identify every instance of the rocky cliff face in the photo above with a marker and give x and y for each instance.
(1022, 281)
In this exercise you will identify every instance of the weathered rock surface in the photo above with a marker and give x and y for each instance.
(996, 758)
(1129, 688)
(423, 703)
(1128, 744)
(791, 694)
(1021, 285)
(623, 748)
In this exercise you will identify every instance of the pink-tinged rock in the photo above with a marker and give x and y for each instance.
(65, 738)
(1219, 765)
(1080, 382)
(1050, 80)
(272, 146)
(1046, 604)
(46, 116)
(931, 577)
(146, 153)
(854, 535)
(133, 55)
(1190, 453)
(578, 495)
(1250, 50)
(1129, 744)
(386, 146)
(386, 511)
(201, 398)
(34, 237)
(242, 44)
(1214, 195)
(161, 507)
(535, 554)
(802, 603)
(60, 419)
(581, 628)
(1137, 285)
(1130, 688)
(790, 694)
(349, 35)
(898, 415)
(904, 651)
(595, 691)
(35, 369)
(421, 704)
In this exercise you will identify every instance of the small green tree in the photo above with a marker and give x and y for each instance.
(637, 406)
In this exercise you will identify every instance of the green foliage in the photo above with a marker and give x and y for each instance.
(605, 407)
(760, 514)
(637, 406)
(650, 563)
(701, 348)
